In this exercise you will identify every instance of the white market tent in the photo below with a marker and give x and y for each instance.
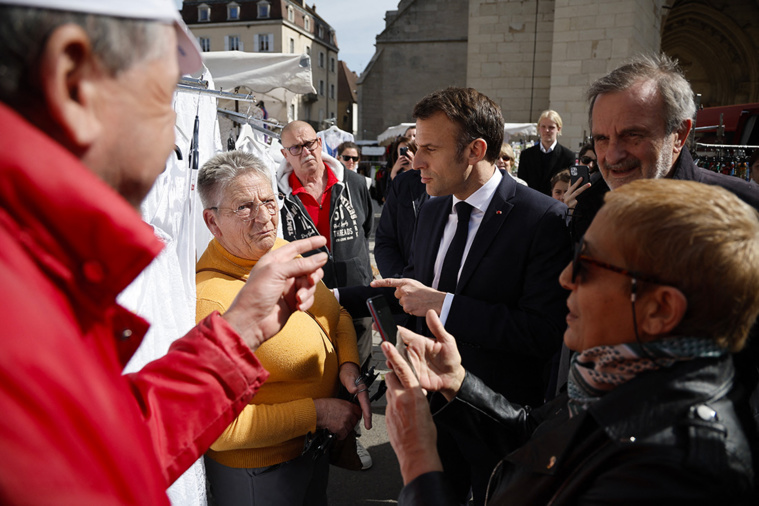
(389, 135)
(275, 78)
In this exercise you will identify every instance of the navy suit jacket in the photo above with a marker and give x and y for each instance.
(508, 312)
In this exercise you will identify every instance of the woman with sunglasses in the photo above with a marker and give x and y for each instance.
(349, 154)
(662, 291)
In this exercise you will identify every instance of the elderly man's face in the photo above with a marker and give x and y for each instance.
(599, 302)
(630, 135)
(309, 160)
(137, 119)
(249, 239)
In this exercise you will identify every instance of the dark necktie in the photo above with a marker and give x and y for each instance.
(452, 262)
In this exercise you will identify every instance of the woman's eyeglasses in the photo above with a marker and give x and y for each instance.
(347, 158)
(586, 160)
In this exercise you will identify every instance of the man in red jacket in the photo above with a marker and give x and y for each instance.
(86, 126)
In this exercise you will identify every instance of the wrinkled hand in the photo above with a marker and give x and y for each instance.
(337, 416)
(415, 298)
(410, 428)
(280, 283)
(570, 196)
(348, 374)
(437, 361)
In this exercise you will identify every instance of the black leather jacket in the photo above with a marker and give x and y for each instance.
(673, 436)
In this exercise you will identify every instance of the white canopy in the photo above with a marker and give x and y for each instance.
(520, 128)
(392, 132)
(275, 78)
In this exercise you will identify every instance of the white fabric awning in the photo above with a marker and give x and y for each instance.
(392, 132)
(520, 128)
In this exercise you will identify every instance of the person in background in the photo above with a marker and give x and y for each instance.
(259, 458)
(410, 132)
(651, 415)
(753, 164)
(322, 198)
(86, 127)
(403, 158)
(349, 154)
(538, 164)
(507, 162)
(559, 184)
(395, 231)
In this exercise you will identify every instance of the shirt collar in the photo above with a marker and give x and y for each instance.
(481, 198)
(553, 146)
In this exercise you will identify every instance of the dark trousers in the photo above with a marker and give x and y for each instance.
(301, 481)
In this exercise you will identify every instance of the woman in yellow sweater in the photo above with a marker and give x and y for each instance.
(259, 458)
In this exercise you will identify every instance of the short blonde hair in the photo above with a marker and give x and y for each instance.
(507, 151)
(700, 239)
(551, 115)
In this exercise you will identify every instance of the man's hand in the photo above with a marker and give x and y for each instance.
(280, 283)
(570, 196)
(349, 372)
(415, 298)
(337, 416)
(410, 428)
(437, 362)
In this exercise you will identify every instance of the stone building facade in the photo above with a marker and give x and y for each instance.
(276, 26)
(531, 55)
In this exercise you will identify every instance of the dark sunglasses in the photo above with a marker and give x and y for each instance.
(347, 158)
(579, 259)
(586, 160)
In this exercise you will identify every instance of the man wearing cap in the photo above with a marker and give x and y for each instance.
(86, 126)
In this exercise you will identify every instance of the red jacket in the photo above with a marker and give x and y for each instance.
(73, 429)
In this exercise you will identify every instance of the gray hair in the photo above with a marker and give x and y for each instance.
(218, 172)
(118, 43)
(674, 89)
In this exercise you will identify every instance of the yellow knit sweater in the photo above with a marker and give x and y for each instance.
(303, 362)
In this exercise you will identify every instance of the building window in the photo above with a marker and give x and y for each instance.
(292, 46)
(321, 59)
(292, 113)
(332, 64)
(321, 31)
(264, 9)
(332, 91)
(232, 43)
(290, 14)
(204, 13)
(233, 11)
(307, 23)
(205, 44)
(265, 42)
(308, 50)
(321, 87)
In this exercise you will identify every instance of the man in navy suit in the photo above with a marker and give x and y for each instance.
(502, 300)
(538, 164)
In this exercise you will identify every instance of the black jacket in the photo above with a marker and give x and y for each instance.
(672, 436)
(395, 231)
(538, 177)
(351, 217)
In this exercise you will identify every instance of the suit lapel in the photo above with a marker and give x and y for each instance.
(495, 216)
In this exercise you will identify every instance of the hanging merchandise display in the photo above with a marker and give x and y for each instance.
(728, 159)
(332, 138)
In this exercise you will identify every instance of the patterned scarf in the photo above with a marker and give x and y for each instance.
(597, 371)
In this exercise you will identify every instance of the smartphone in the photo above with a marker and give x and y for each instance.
(403, 150)
(386, 326)
(383, 318)
(578, 172)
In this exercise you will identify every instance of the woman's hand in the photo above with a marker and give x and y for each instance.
(402, 164)
(337, 416)
(349, 373)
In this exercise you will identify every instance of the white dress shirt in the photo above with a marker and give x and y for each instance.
(479, 200)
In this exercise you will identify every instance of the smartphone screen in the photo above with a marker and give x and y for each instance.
(578, 172)
(383, 317)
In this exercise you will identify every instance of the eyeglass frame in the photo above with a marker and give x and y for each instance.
(309, 145)
(347, 158)
(272, 212)
(634, 276)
